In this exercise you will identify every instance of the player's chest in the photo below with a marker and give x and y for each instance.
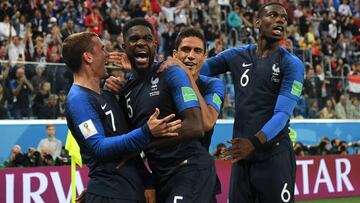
(146, 95)
(253, 74)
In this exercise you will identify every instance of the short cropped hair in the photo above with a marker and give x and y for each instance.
(262, 8)
(134, 22)
(73, 48)
(189, 32)
(49, 126)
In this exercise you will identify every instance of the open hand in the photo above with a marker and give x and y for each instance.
(119, 59)
(168, 63)
(161, 127)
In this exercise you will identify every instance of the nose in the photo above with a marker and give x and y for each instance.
(106, 53)
(191, 54)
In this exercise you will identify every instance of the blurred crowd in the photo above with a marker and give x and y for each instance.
(34, 82)
(49, 152)
(327, 147)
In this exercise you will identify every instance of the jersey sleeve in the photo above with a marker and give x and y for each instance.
(179, 84)
(290, 92)
(215, 93)
(88, 128)
(216, 65)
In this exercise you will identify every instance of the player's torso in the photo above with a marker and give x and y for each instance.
(140, 97)
(257, 83)
(106, 179)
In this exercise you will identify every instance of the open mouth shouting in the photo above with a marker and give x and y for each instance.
(278, 30)
(142, 58)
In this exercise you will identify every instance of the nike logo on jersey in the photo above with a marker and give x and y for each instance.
(246, 64)
(103, 107)
(127, 95)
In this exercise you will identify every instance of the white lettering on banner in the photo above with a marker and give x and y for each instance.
(323, 171)
(343, 176)
(10, 188)
(342, 171)
(28, 195)
(305, 170)
(55, 177)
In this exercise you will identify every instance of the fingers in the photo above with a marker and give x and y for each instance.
(155, 114)
(114, 84)
(233, 141)
(167, 118)
(119, 59)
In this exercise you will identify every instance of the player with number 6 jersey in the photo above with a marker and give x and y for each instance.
(268, 82)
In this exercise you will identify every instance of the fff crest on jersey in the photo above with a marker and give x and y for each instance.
(154, 86)
(275, 75)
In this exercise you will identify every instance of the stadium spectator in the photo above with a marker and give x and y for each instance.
(3, 103)
(6, 28)
(94, 20)
(50, 145)
(51, 108)
(217, 152)
(354, 109)
(21, 90)
(17, 158)
(68, 30)
(335, 146)
(169, 37)
(312, 86)
(342, 108)
(61, 104)
(39, 78)
(329, 110)
(41, 99)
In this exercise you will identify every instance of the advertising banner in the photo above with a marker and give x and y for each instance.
(317, 177)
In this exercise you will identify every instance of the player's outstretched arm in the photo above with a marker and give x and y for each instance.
(191, 128)
(86, 125)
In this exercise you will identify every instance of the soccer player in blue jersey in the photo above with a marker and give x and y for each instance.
(189, 54)
(100, 127)
(268, 82)
(183, 169)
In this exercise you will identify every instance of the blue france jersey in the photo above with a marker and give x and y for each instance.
(213, 91)
(263, 87)
(99, 126)
(171, 92)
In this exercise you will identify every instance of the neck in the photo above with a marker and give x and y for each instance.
(266, 46)
(87, 80)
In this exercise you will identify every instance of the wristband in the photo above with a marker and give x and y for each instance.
(255, 141)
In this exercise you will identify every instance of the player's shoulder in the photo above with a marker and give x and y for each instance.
(78, 96)
(238, 50)
(290, 58)
(210, 80)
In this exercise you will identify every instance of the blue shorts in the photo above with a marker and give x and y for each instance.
(270, 180)
(187, 186)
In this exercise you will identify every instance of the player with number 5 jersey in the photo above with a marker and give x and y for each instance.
(268, 83)
(100, 128)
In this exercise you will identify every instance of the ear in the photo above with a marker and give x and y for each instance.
(174, 53)
(257, 23)
(88, 58)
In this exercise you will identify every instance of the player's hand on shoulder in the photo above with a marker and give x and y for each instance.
(162, 127)
(240, 149)
(169, 63)
(150, 195)
(114, 84)
(119, 59)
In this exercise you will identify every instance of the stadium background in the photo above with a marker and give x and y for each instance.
(323, 33)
